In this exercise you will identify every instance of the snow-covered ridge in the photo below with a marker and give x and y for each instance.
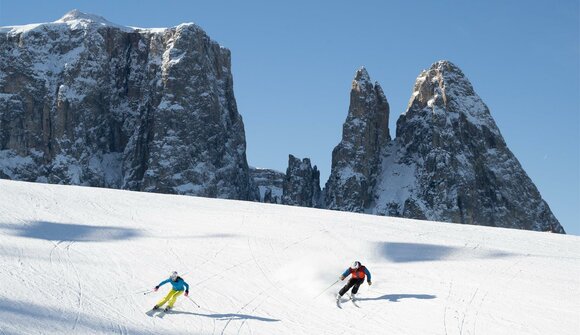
(75, 19)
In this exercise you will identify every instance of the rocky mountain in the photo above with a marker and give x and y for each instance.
(448, 162)
(270, 184)
(356, 160)
(301, 184)
(87, 102)
(84, 101)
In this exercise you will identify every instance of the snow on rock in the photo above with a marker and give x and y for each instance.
(77, 260)
(126, 108)
(79, 20)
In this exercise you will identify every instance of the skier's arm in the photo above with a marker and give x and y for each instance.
(186, 286)
(163, 282)
(345, 274)
(367, 272)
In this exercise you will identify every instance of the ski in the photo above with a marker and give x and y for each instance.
(152, 312)
(159, 312)
(340, 301)
(162, 313)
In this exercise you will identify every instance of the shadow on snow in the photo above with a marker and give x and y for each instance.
(418, 252)
(54, 231)
(29, 317)
(227, 316)
(396, 297)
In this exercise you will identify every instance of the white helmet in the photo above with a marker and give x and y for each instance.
(355, 265)
(173, 275)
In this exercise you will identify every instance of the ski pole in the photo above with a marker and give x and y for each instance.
(148, 292)
(128, 294)
(198, 306)
(326, 289)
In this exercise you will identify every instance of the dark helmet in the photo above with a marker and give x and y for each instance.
(355, 265)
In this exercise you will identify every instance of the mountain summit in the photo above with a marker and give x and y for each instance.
(77, 15)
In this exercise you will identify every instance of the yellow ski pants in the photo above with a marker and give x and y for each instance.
(171, 297)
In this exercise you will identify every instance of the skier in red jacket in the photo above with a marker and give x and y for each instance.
(358, 273)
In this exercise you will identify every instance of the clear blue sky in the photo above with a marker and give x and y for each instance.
(293, 63)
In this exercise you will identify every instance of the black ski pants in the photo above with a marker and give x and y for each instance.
(355, 283)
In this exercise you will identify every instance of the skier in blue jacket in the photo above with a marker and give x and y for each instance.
(178, 285)
(358, 273)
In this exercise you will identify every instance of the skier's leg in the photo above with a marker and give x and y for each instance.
(174, 297)
(164, 300)
(346, 287)
(356, 285)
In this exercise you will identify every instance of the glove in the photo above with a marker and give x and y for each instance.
(370, 283)
(341, 277)
(156, 288)
(186, 293)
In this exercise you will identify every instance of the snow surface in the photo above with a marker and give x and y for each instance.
(76, 260)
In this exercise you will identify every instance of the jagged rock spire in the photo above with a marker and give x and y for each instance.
(448, 162)
(356, 159)
(301, 183)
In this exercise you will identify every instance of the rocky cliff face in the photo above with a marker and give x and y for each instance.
(301, 184)
(356, 159)
(450, 163)
(84, 101)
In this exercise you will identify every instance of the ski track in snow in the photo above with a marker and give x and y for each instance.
(79, 285)
(255, 268)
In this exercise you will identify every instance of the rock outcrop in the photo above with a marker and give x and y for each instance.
(356, 160)
(84, 101)
(448, 162)
(270, 184)
(301, 184)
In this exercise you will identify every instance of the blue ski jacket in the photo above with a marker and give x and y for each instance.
(178, 284)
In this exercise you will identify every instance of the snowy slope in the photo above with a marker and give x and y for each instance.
(73, 260)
